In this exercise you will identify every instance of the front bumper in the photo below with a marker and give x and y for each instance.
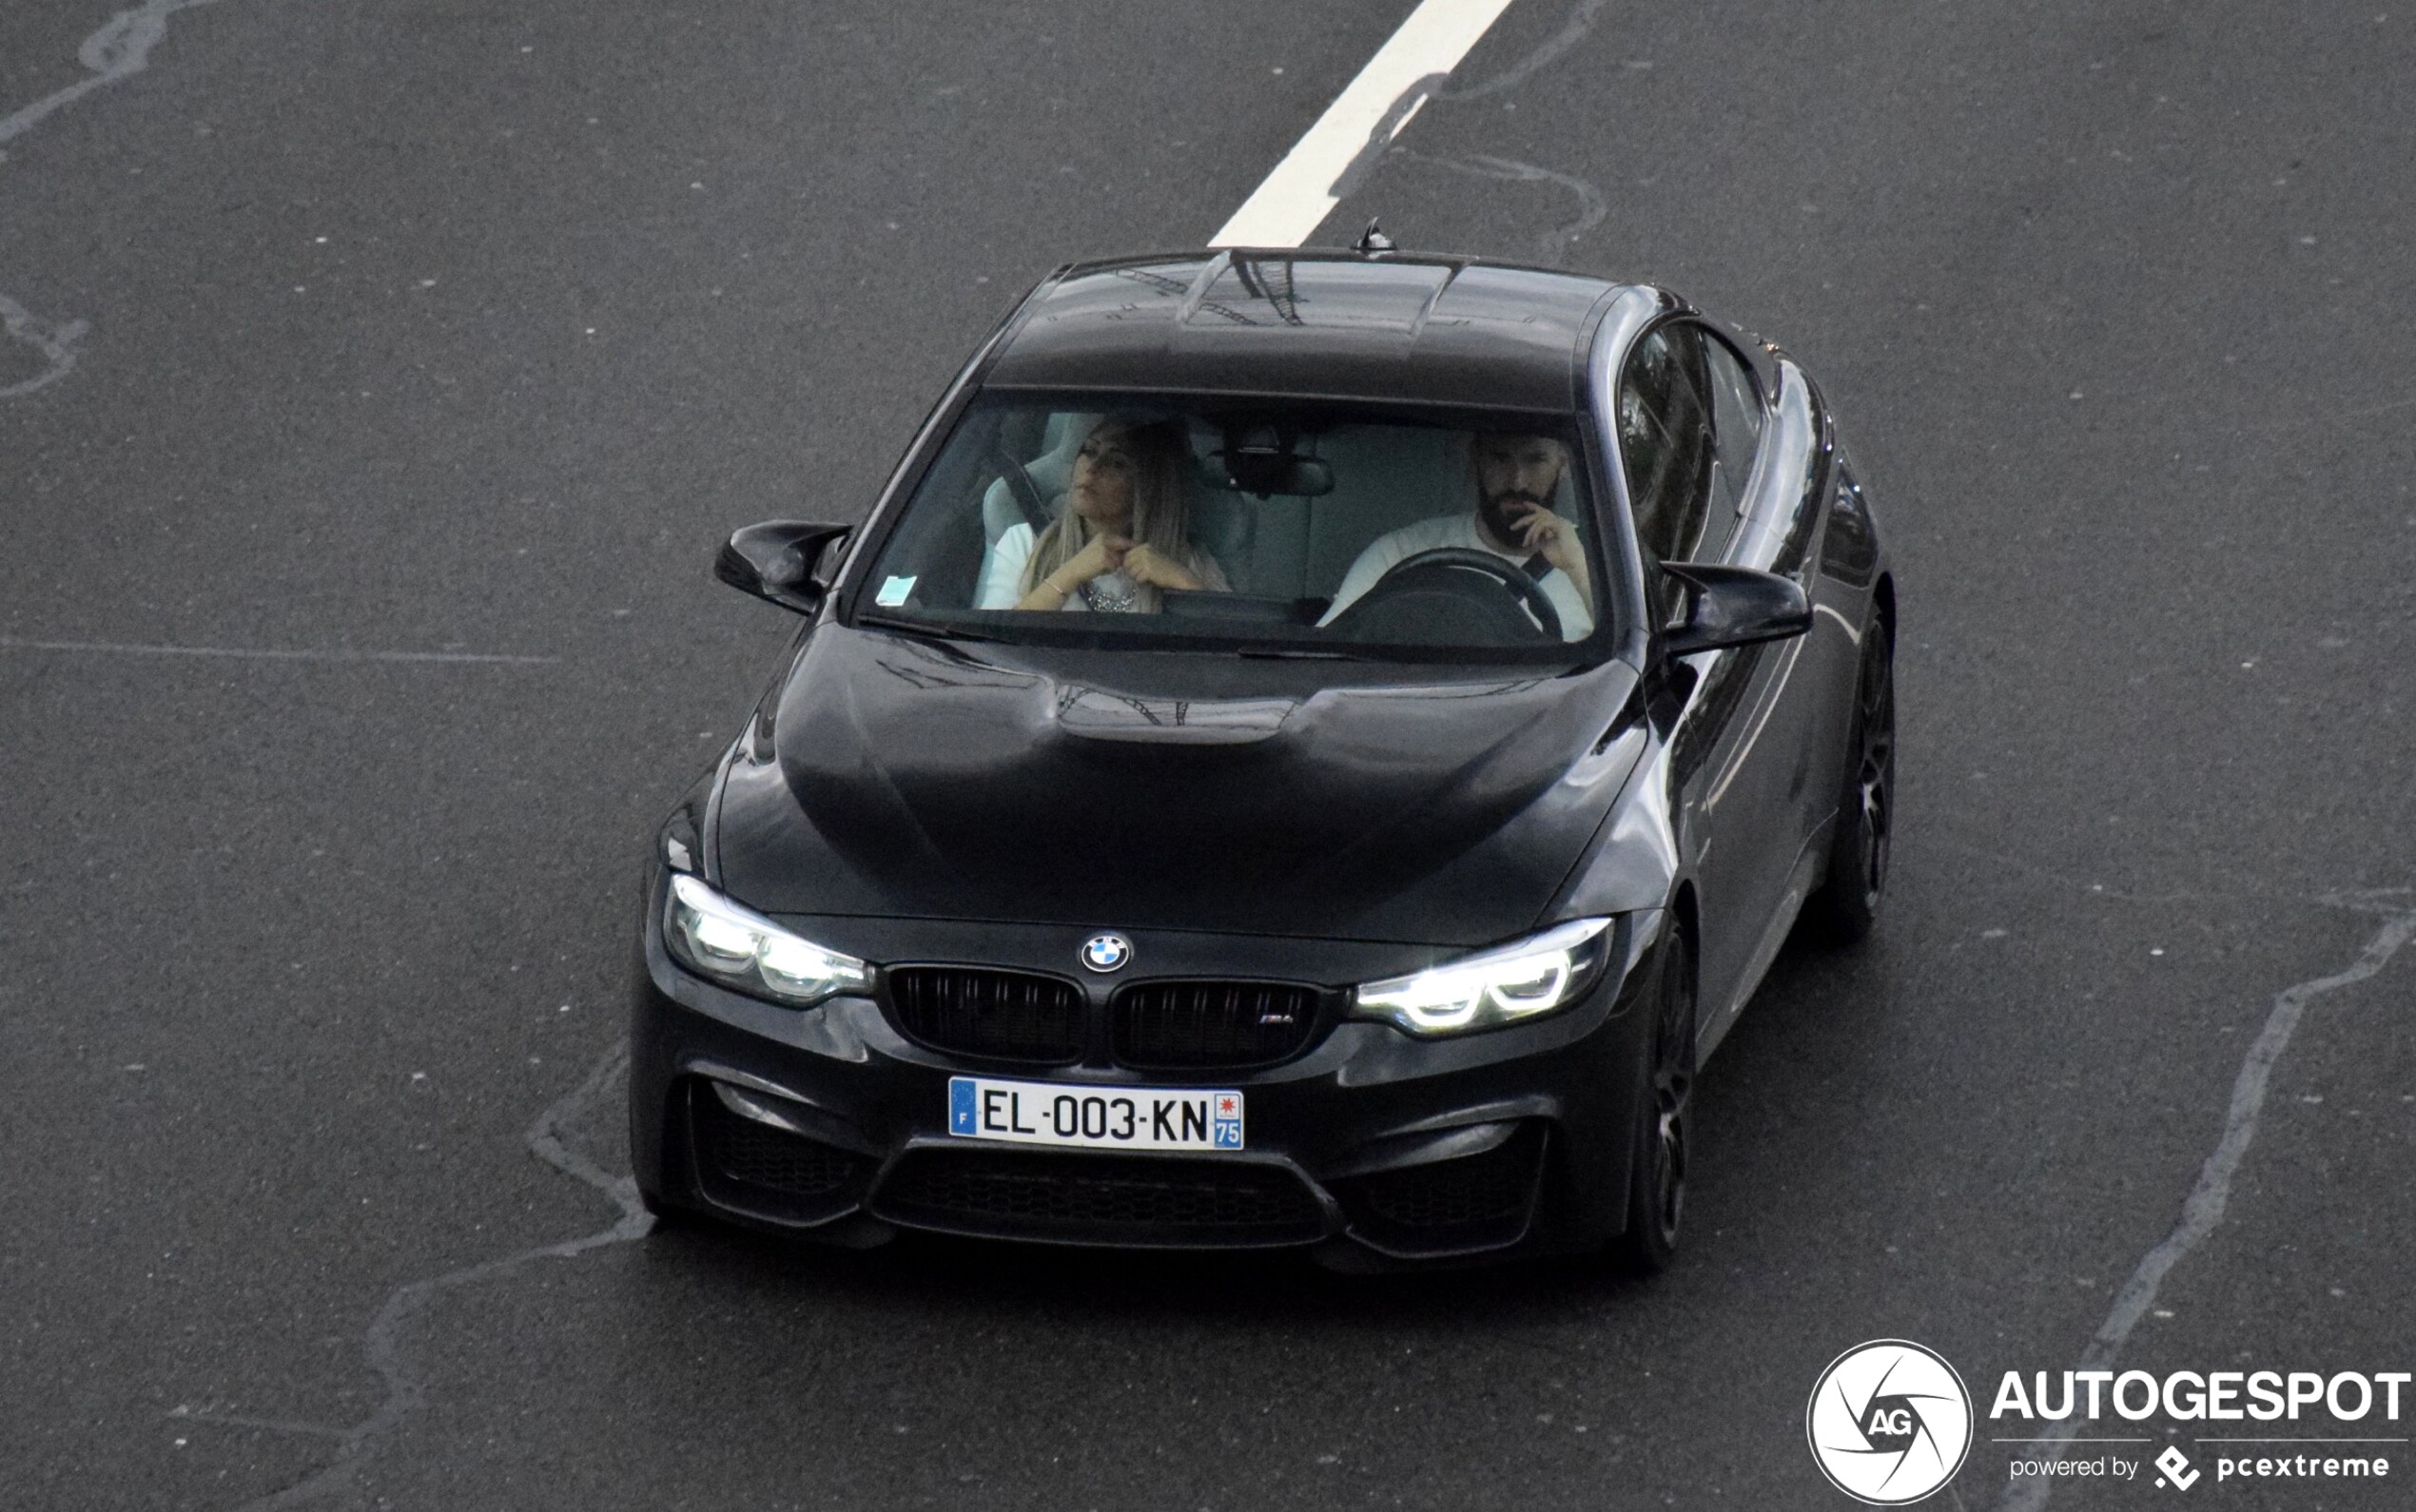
(1369, 1146)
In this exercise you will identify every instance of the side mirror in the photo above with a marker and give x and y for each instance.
(1734, 606)
(774, 561)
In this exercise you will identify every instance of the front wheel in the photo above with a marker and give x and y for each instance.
(1848, 902)
(1657, 1160)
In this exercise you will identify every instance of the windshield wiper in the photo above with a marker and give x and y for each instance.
(925, 627)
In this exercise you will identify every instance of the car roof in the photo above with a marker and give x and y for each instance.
(1426, 329)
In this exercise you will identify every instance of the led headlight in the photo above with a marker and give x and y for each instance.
(741, 948)
(1504, 986)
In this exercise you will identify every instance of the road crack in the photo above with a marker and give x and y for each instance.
(1581, 21)
(2203, 1210)
(1554, 243)
(118, 49)
(383, 1344)
(56, 342)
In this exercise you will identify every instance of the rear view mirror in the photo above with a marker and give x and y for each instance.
(1250, 470)
(1262, 455)
(776, 560)
(1733, 606)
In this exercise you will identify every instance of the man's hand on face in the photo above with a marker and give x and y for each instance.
(1540, 530)
(1555, 536)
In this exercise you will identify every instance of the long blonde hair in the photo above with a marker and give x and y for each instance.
(1158, 520)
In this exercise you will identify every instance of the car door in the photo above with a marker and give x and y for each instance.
(1698, 419)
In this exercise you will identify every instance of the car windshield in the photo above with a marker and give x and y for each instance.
(1278, 525)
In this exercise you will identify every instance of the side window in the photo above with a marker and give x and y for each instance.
(1666, 442)
(1736, 428)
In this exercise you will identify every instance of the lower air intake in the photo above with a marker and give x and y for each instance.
(1101, 1199)
(1473, 1202)
(757, 1168)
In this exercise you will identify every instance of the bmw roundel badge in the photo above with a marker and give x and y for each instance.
(1106, 952)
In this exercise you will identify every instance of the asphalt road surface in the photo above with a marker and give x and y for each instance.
(379, 379)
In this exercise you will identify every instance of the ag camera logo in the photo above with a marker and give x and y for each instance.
(1889, 1422)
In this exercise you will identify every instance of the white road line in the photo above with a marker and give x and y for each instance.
(1314, 176)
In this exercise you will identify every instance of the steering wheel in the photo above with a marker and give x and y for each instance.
(1019, 483)
(1449, 578)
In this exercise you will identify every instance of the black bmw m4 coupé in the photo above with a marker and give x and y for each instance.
(1310, 748)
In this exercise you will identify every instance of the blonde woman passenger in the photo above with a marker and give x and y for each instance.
(1120, 537)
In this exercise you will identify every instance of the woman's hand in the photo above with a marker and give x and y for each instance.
(1103, 554)
(1146, 564)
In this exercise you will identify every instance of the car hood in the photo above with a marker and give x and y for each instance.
(905, 777)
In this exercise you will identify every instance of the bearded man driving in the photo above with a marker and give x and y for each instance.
(1513, 476)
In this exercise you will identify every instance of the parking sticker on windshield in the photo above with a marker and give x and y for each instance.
(894, 591)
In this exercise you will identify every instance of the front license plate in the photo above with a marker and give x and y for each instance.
(1039, 1113)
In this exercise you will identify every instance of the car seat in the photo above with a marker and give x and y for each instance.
(1050, 473)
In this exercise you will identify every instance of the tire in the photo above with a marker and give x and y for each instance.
(1664, 1125)
(1847, 904)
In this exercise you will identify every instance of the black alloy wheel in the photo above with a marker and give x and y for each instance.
(1657, 1178)
(1848, 902)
